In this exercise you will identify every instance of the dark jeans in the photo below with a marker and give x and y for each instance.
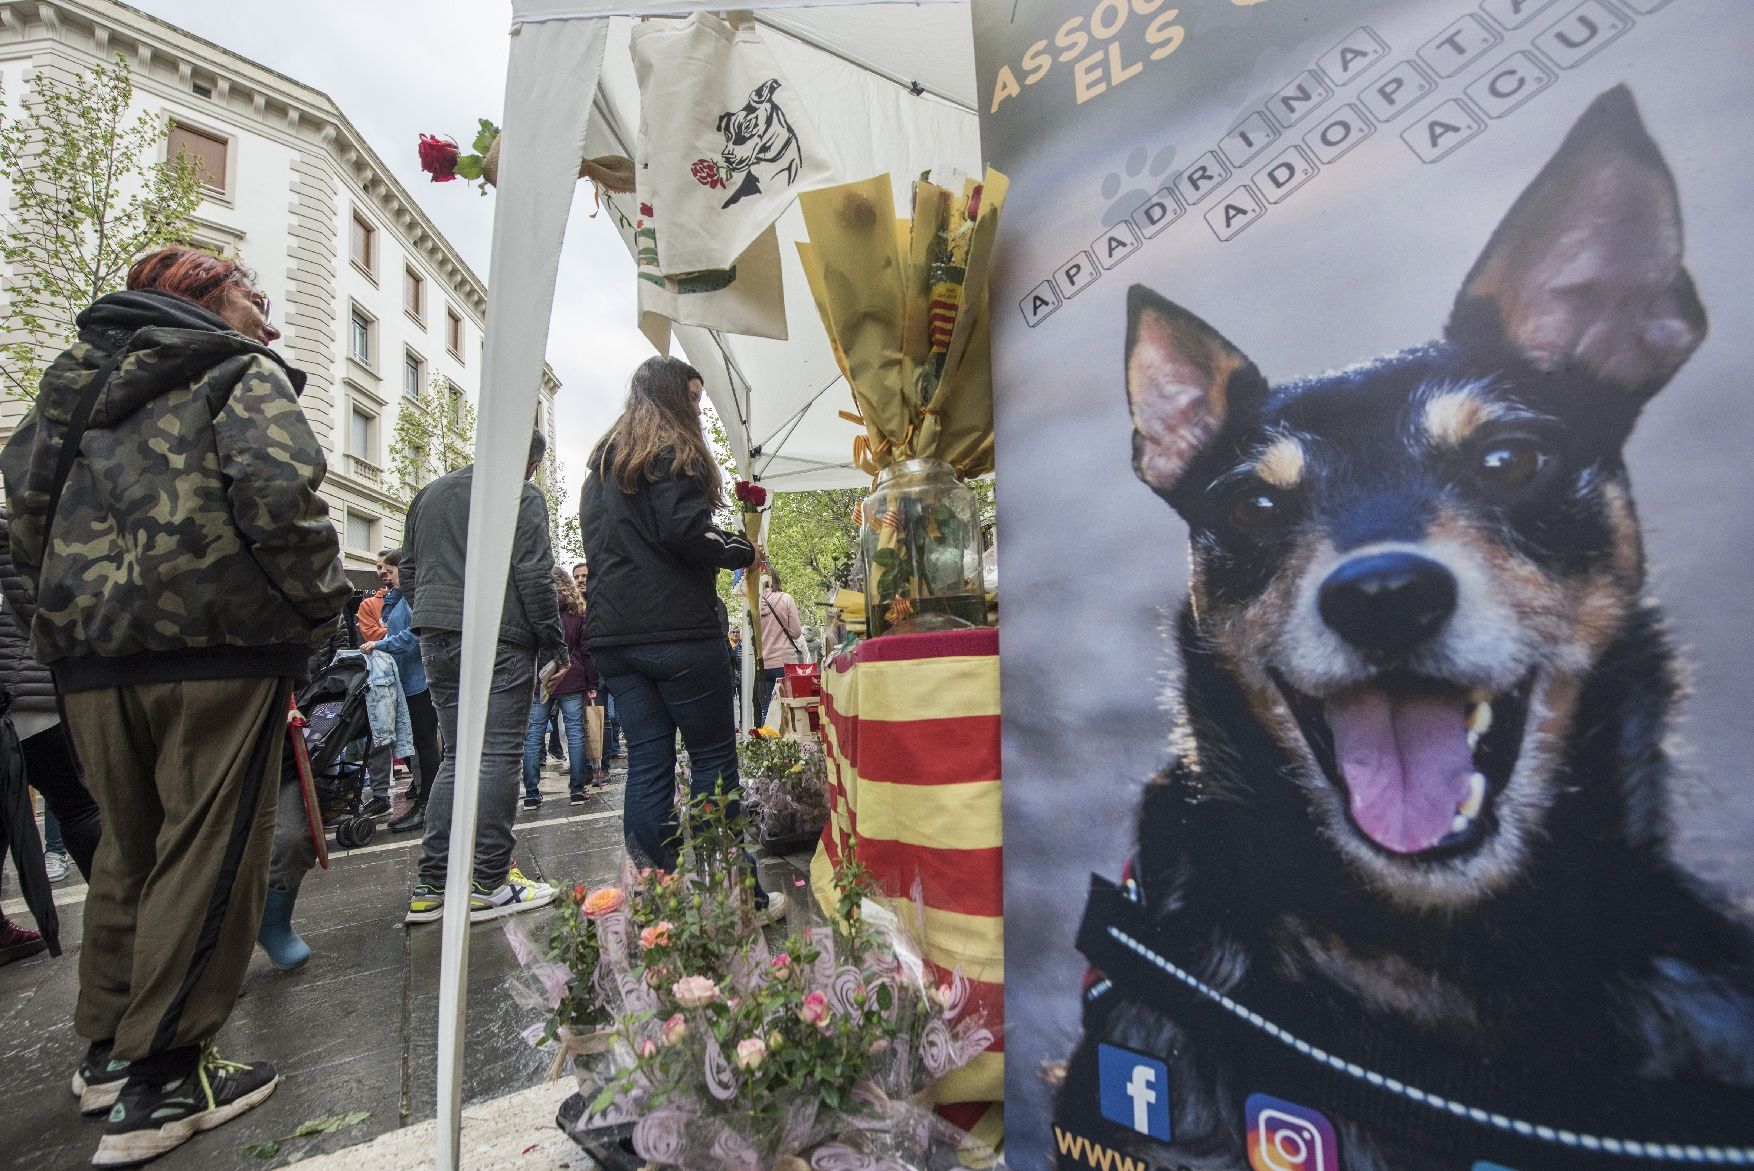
(542, 714)
(502, 758)
(662, 688)
(764, 688)
(611, 722)
(423, 722)
(50, 769)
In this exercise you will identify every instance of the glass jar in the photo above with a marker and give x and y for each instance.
(920, 549)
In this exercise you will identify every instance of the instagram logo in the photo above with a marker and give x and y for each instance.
(1284, 1136)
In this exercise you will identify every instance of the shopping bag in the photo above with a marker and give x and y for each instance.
(725, 143)
(594, 734)
(748, 298)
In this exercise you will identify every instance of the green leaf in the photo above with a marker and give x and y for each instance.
(485, 136)
(469, 166)
(330, 1123)
(265, 1150)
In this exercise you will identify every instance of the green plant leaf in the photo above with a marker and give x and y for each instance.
(469, 166)
(485, 136)
(330, 1123)
(265, 1150)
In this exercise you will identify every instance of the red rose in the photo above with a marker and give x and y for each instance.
(706, 173)
(754, 495)
(438, 158)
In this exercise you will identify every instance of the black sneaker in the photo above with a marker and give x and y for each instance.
(575, 799)
(99, 1079)
(532, 802)
(375, 808)
(152, 1117)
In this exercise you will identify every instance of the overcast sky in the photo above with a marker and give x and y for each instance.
(398, 68)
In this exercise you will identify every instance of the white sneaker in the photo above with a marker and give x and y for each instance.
(57, 863)
(775, 911)
(515, 894)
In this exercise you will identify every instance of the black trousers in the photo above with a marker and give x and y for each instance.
(423, 722)
(51, 769)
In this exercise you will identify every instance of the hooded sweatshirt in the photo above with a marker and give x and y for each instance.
(190, 542)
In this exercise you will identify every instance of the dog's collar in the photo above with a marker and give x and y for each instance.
(1120, 938)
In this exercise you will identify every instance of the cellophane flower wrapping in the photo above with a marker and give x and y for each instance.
(718, 1050)
(785, 785)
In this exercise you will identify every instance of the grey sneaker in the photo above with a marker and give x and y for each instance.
(99, 1079)
(57, 863)
(515, 894)
(151, 1117)
(426, 904)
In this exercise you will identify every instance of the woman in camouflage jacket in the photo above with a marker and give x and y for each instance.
(190, 568)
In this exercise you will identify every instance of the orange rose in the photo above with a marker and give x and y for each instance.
(604, 900)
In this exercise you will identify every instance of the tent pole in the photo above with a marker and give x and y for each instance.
(551, 76)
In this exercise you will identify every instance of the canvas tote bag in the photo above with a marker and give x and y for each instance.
(725, 144)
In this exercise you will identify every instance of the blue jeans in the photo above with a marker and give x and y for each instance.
(611, 723)
(572, 707)
(662, 688)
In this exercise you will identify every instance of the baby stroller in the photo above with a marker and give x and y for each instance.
(337, 736)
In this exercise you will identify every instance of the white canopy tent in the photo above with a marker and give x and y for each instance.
(891, 86)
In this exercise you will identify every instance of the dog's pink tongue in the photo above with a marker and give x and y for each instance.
(1406, 763)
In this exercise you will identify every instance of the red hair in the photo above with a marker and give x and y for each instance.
(189, 273)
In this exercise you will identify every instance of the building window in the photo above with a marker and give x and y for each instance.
(454, 332)
(359, 336)
(413, 374)
(362, 532)
(413, 294)
(364, 242)
(206, 151)
(362, 435)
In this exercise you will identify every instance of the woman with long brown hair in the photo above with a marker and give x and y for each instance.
(657, 626)
(569, 691)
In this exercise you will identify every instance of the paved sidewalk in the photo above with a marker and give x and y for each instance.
(355, 1030)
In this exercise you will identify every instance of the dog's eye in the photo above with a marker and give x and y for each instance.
(1253, 508)
(1512, 463)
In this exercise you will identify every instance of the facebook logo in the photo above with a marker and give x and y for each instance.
(1135, 1090)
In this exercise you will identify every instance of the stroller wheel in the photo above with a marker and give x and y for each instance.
(347, 833)
(364, 829)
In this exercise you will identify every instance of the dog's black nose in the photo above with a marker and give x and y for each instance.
(1388, 603)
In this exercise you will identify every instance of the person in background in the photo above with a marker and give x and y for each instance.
(294, 853)
(657, 626)
(72, 825)
(566, 691)
(175, 660)
(581, 576)
(780, 628)
(403, 644)
(734, 638)
(436, 536)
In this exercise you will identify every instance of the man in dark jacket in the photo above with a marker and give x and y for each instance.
(435, 540)
(190, 568)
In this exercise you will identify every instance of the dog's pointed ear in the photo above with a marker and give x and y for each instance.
(764, 91)
(1183, 380)
(1585, 272)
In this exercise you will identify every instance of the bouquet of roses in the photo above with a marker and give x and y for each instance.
(785, 783)
(712, 1034)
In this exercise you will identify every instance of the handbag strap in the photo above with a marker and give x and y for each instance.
(76, 424)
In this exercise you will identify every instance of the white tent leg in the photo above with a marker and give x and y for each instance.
(549, 84)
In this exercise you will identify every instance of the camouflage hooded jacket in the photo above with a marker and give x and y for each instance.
(190, 542)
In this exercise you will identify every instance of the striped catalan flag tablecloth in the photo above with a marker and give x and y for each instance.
(910, 730)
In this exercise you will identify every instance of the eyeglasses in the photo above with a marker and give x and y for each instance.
(263, 305)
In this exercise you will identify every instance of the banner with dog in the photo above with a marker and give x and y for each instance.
(725, 144)
(1371, 414)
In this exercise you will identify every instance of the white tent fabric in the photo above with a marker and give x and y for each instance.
(892, 84)
(553, 72)
(781, 400)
